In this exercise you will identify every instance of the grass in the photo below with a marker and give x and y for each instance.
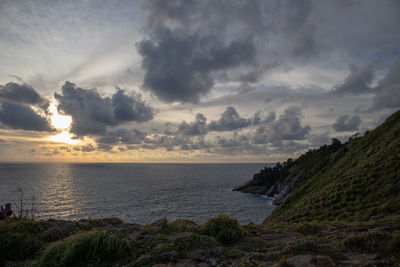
(353, 182)
(90, 249)
(223, 228)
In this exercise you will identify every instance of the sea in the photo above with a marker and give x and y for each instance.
(138, 193)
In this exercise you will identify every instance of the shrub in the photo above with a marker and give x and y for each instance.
(308, 229)
(394, 246)
(223, 228)
(98, 249)
(367, 242)
(18, 246)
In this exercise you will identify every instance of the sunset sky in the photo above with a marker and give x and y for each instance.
(192, 81)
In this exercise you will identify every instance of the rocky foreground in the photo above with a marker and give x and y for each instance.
(219, 242)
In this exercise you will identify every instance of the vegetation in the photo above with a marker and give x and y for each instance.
(95, 249)
(353, 182)
(223, 228)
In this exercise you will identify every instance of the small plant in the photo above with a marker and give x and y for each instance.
(394, 246)
(224, 228)
(308, 229)
(94, 249)
(367, 242)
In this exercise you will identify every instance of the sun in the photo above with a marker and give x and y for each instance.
(61, 122)
(57, 120)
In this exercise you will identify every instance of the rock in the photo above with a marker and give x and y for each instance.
(381, 229)
(128, 229)
(69, 227)
(279, 237)
(301, 246)
(147, 238)
(160, 222)
(159, 246)
(310, 261)
(361, 260)
(275, 248)
(166, 257)
(180, 236)
(252, 259)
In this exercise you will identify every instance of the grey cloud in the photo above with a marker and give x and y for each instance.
(358, 82)
(20, 93)
(18, 116)
(287, 127)
(117, 136)
(387, 92)
(230, 120)
(16, 109)
(345, 123)
(318, 140)
(179, 65)
(87, 148)
(198, 127)
(92, 114)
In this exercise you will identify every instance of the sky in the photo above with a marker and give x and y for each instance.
(192, 81)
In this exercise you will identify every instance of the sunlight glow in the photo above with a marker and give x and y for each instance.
(64, 137)
(57, 120)
(61, 122)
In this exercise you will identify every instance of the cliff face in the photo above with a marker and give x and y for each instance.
(358, 181)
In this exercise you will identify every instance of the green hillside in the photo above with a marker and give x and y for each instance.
(358, 181)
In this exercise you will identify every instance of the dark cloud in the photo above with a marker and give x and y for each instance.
(92, 114)
(318, 140)
(230, 120)
(20, 108)
(198, 127)
(387, 92)
(345, 123)
(287, 127)
(115, 136)
(179, 65)
(358, 82)
(20, 93)
(19, 116)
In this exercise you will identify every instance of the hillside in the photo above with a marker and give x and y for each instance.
(358, 181)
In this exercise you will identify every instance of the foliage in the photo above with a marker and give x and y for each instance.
(96, 249)
(367, 242)
(308, 229)
(353, 182)
(394, 245)
(223, 228)
(19, 238)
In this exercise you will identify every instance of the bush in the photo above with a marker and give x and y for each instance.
(97, 249)
(367, 242)
(223, 228)
(308, 229)
(394, 246)
(18, 246)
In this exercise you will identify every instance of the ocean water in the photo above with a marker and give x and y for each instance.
(140, 193)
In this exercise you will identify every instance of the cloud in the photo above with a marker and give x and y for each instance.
(345, 123)
(287, 127)
(387, 92)
(20, 106)
(358, 82)
(92, 114)
(179, 65)
(198, 127)
(230, 120)
(116, 136)
(19, 116)
(318, 140)
(20, 93)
